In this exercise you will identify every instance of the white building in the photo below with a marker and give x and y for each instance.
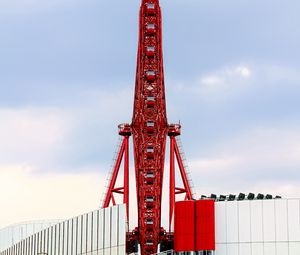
(247, 227)
(15, 233)
(100, 232)
(258, 227)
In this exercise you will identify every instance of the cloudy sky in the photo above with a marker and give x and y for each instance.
(67, 71)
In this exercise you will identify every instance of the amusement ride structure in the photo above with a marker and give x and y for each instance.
(149, 129)
(210, 225)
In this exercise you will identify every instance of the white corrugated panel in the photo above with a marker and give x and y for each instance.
(294, 220)
(122, 250)
(294, 248)
(282, 248)
(269, 248)
(114, 250)
(86, 235)
(89, 231)
(57, 241)
(106, 251)
(122, 225)
(114, 226)
(74, 236)
(269, 221)
(245, 249)
(232, 222)
(256, 221)
(257, 249)
(244, 222)
(100, 252)
(220, 222)
(232, 249)
(70, 236)
(107, 227)
(221, 249)
(101, 230)
(281, 220)
(95, 231)
(65, 238)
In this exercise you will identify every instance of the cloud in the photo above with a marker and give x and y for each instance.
(278, 73)
(220, 84)
(254, 74)
(254, 88)
(225, 76)
(80, 133)
(262, 160)
(27, 195)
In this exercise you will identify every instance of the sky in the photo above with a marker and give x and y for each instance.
(67, 73)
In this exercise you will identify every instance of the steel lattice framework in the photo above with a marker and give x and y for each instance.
(149, 129)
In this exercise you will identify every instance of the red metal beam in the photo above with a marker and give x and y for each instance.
(172, 182)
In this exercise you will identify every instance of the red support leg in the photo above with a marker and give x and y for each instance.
(126, 175)
(172, 182)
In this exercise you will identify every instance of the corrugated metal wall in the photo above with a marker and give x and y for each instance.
(259, 227)
(101, 232)
(15, 233)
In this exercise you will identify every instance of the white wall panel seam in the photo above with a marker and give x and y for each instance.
(110, 232)
(118, 228)
(238, 228)
(97, 239)
(104, 227)
(263, 230)
(226, 227)
(274, 209)
(92, 232)
(288, 232)
(250, 215)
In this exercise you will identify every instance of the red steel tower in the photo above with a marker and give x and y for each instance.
(149, 129)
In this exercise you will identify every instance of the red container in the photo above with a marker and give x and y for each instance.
(184, 226)
(205, 225)
(150, 51)
(150, 76)
(150, 29)
(150, 8)
(150, 101)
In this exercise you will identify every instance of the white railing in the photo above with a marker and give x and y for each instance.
(185, 165)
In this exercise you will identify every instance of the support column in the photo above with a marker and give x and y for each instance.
(172, 182)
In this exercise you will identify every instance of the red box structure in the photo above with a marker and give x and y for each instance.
(184, 226)
(205, 225)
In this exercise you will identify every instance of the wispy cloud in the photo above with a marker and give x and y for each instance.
(225, 77)
(252, 85)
